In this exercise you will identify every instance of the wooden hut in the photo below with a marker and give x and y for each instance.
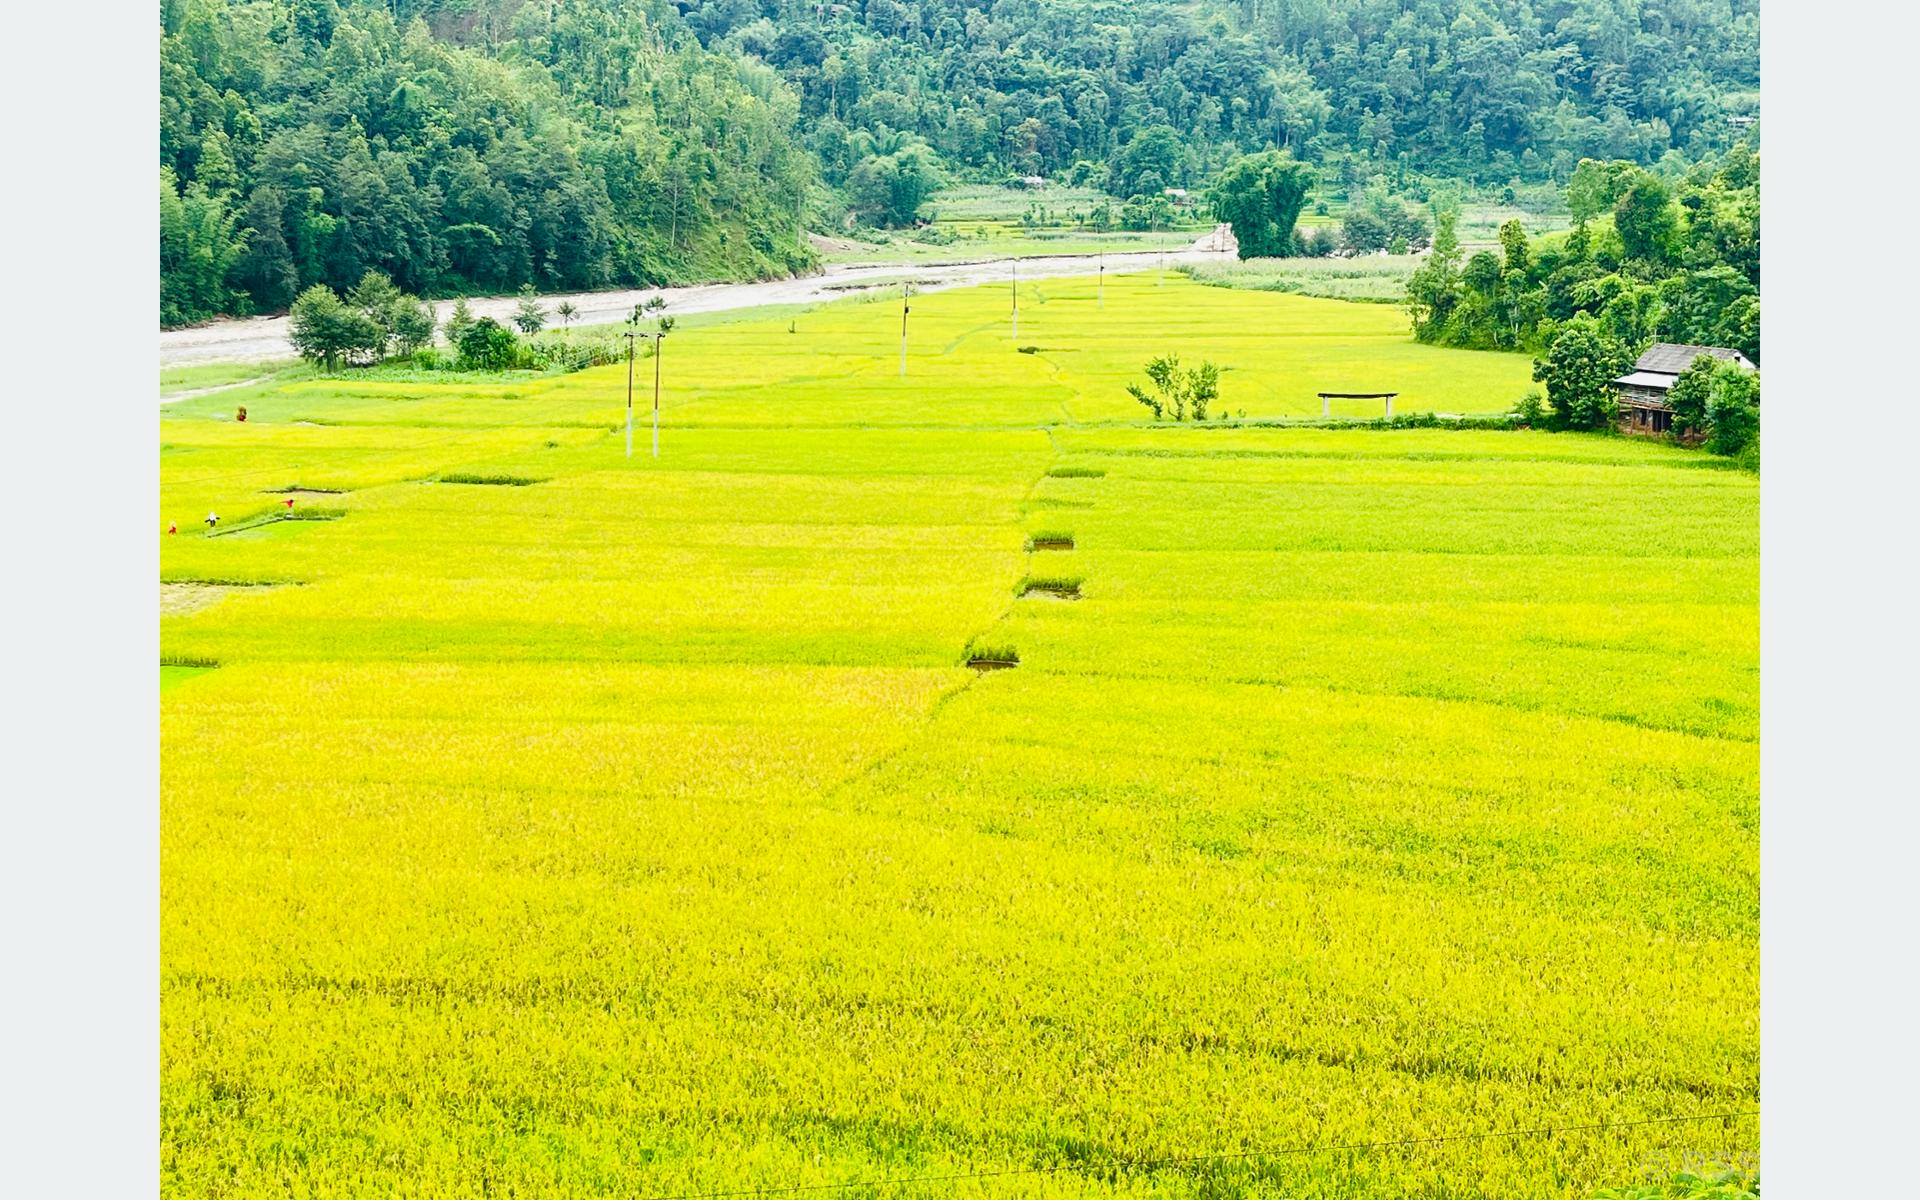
(1642, 392)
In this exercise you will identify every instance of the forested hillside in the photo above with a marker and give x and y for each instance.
(1490, 90)
(583, 143)
(462, 145)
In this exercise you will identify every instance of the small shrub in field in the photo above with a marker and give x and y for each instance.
(458, 322)
(189, 660)
(1317, 243)
(528, 316)
(1177, 392)
(488, 345)
(413, 324)
(575, 354)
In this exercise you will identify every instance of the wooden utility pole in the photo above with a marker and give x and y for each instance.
(906, 290)
(659, 340)
(659, 346)
(631, 335)
(1016, 297)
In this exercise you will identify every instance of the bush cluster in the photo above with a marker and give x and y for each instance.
(1177, 392)
(1649, 261)
(375, 319)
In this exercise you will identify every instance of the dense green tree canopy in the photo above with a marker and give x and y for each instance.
(1734, 410)
(1576, 369)
(462, 146)
(888, 189)
(329, 331)
(1654, 263)
(1261, 196)
(1692, 394)
(1462, 88)
(468, 145)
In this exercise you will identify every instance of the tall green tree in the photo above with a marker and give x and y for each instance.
(1646, 219)
(1735, 410)
(889, 189)
(1577, 369)
(1691, 396)
(200, 241)
(1261, 196)
(265, 270)
(1595, 187)
(330, 332)
(1433, 291)
(1152, 161)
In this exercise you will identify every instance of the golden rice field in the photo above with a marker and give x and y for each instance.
(637, 831)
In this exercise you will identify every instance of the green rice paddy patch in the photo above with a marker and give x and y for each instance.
(1389, 782)
(174, 676)
(1050, 540)
(489, 480)
(1056, 502)
(1076, 472)
(1057, 587)
(1378, 279)
(181, 597)
(992, 656)
(276, 517)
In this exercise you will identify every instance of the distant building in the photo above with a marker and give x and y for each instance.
(1177, 195)
(1642, 393)
(1034, 181)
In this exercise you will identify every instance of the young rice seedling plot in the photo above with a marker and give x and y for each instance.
(640, 830)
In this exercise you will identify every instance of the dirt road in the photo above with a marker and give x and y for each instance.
(259, 339)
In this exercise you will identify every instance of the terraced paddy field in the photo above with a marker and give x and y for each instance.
(1367, 813)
